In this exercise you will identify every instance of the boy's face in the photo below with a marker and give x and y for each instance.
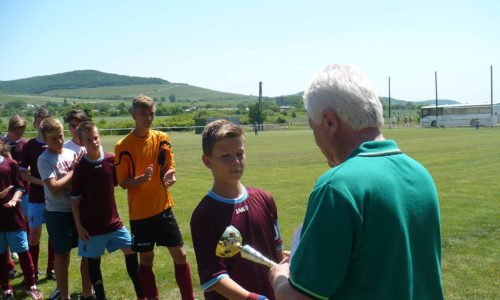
(227, 161)
(36, 123)
(91, 141)
(143, 117)
(17, 133)
(73, 129)
(54, 141)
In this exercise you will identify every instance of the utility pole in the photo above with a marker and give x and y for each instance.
(491, 93)
(390, 119)
(261, 106)
(436, 84)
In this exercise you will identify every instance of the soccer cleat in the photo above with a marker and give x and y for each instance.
(56, 295)
(51, 275)
(14, 256)
(34, 293)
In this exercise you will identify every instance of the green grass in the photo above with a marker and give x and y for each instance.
(463, 162)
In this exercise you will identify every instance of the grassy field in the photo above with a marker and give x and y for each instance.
(463, 162)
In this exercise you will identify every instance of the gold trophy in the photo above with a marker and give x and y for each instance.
(230, 244)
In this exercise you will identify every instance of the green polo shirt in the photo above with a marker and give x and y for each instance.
(371, 230)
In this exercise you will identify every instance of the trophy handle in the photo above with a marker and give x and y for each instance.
(251, 254)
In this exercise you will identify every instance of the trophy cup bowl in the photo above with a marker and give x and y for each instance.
(230, 244)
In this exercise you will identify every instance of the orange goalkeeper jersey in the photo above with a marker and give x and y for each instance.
(132, 156)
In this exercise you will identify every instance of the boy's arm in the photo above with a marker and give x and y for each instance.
(75, 208)
(15, 199)
(138, 180)
(26, 176)
(57, 185)
(230, 289)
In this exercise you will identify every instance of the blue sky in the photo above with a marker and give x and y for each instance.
(231, 46)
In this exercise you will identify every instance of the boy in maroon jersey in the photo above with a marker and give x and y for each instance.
(94, 209)
(14, 139)
(36, 205)
(12, 228)
(252, 211)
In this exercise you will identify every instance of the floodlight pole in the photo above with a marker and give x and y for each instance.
(390, 120)
(436, 85)
(491, 93)
(261, 106)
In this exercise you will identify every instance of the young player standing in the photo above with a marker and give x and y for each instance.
(252, 211)
(145, 167)
(13, 229)
(56, 170)
(74, 117)
(36, 204)
(94, 209)
(14, 139)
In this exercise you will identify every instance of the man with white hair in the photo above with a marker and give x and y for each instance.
(371, 229)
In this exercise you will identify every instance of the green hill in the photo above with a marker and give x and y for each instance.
(72, 80)
(181, 91)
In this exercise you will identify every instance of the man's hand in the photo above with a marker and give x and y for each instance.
(4, 192)
(169, 178)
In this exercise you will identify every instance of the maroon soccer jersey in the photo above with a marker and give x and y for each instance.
(29, 160)
(11, 219)
(256, 217)
(94, 183)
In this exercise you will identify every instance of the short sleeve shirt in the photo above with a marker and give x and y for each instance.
(73, 146)
(12, 218)
(53, 165)
(371, 230)
(132, 156)
(254, 214)
(94, 183)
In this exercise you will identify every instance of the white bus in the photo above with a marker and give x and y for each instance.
(456, 115)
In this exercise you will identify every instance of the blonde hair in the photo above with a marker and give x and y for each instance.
(216, 131)
(17, 122)
(50, 126)
(143, 101)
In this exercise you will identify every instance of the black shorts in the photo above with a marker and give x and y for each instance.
(161, 230)
(62, 231)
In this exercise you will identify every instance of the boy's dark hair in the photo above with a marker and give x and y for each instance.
(216, 131)
(41, 113)
(85, 127)
(50, 125)
(17, 122)
(143, 101)
(77, 114)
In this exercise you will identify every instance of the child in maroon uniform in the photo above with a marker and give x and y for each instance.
(252, 211)
(13, 229)
(36, 205)
(94, 209)
(14, 139)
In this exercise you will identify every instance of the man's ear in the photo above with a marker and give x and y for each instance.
(331, 121)
(206, 161)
